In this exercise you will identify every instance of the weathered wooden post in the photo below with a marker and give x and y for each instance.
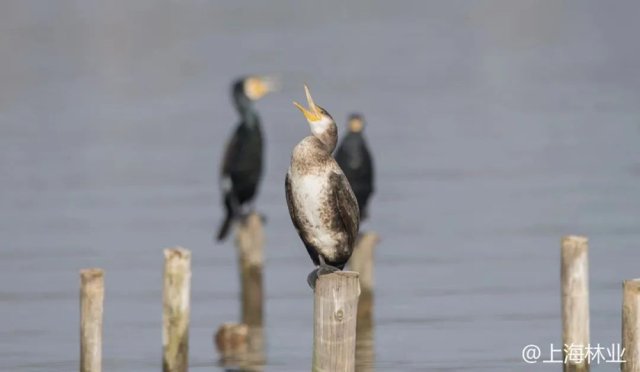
(362, 261)
(91, 310)
(334, 331)
(175, 319)
(575, 301)
(631, 326)
(232, 344)
(250, 242)
(243, 344)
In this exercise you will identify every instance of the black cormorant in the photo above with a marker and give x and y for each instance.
(242, 163)
(354, 158)
(321, 203)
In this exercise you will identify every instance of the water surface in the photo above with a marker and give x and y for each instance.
(497, 127)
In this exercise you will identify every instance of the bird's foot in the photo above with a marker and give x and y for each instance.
(322, 269)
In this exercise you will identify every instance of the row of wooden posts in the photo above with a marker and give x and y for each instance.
(343, 310)
(575, 310)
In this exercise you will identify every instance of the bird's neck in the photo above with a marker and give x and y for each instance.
(245, 109)
(328, 137)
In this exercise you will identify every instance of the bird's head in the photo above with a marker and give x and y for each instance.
(256, 87)
(355, 123)
(322, 124)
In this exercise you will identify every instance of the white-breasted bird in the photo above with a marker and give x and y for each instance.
(321, 203)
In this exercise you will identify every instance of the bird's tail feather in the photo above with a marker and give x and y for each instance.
(223, 231)
(230, 205)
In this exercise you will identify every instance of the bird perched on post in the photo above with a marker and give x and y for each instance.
(242, 163)
(354, 158)
(321, 203)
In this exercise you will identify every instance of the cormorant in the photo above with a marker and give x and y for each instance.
(354, 158)
(242, 163)
(321, 203)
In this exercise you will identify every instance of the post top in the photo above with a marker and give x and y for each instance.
(631, 284)
(371, 236)
(177, 252)
(253, 219)
(91, 273)
(345, 274)
(578, 239)
(349, 274)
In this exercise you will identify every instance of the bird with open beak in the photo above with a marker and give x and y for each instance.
(321, 204)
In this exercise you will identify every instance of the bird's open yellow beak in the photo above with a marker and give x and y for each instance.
(313, 113)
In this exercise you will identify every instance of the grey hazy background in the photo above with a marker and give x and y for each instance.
(497, 127)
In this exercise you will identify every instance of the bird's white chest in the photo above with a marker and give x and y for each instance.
(310, 190)
(312, 196)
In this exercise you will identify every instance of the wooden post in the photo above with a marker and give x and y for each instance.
(249, 242)
(362, 261)
(175, 319)
(91, 310)
(334, 331)
(243, 344)
(231, 342)
(631, 326)
(240, 346)
(575, 300)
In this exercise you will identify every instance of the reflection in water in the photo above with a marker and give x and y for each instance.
(362, 261)
(255, 358)
(365, 351)
(240, 348)
(242, 345)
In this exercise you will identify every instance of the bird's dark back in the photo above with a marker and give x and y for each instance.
(355, 161)
(244, 161)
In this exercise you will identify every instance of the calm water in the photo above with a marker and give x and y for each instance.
(496, 128)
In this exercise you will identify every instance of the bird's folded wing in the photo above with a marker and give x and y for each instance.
(347, 204)
(369, 169)
(290, 202)
(230, 154)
